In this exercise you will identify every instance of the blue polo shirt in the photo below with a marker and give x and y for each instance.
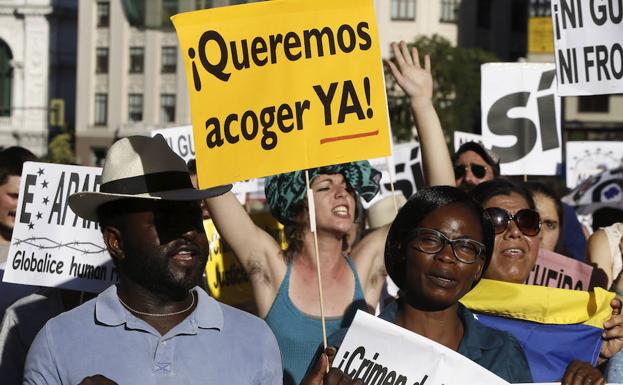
(215, 344)
(495, 350)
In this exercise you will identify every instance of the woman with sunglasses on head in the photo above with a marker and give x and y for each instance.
(517, 225)
(437, 249)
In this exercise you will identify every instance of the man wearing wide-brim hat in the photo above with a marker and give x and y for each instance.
(154, 326)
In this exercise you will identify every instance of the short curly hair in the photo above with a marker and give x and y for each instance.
(413, 213)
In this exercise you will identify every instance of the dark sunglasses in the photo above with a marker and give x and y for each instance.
(528, 221)
(478, 170)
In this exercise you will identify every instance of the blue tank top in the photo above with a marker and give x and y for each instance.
(298, 334)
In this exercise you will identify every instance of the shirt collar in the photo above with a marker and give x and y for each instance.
(475, 336)
(109, 311)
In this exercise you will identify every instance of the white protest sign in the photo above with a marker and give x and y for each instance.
(588, 36)
(408, 176)
(461, 137)
(379, 352)
(52, 246)
(521, 117)
(181, 141)
(589, 158)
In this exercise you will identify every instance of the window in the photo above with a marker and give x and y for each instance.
(203, 4)
(593, 103)
(137, 59)
(101, 60)
(101, 109)
(403, 9)
(167, 108)
(103, 14)
(169, 59)
(169, 8)
(135, 108)
(540, 8)
(6, 79)
(483, 14)
(449, 11)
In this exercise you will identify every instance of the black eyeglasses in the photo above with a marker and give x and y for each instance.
(528, 221)
(478, 170)
(431, 241)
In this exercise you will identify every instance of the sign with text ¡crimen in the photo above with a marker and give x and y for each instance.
(283, 85)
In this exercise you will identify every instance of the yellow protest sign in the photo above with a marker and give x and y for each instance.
(226, 279)
(283, 85)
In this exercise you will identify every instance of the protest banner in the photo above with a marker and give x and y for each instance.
(52, 246)
(521, 117)
(226, 278)
(555, 270)
(585, 159)
(588, 36)
(461, 137)
(408, 174)
(601, 190)
(181, 141)
(380, 352)
(546, 321)
(283, 85)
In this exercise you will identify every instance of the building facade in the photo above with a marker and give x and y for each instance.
(37, 70)
(130, 71)
(407, 19)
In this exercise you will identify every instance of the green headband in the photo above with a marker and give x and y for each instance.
(285, 192)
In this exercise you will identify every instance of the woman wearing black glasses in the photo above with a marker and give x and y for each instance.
(436, 251)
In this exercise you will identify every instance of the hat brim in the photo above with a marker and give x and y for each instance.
(85, 204)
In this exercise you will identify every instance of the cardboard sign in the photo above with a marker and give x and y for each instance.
(52, 246)
(180, 139)
(279, 86)
(601, 190)
(521, 117)
(379, 352)
(227, 280)
(588, 36)
(585, 159)
(407, 173)
(461, 137)
(555, 270)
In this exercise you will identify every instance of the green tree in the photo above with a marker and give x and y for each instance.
(60, 149)
(456, 76)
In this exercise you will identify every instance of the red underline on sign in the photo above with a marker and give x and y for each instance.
(347, 137)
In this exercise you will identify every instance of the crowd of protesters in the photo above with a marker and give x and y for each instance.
(157, 325)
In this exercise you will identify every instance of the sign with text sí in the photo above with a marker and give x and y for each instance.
(380, 352)
(521, 117)
(555, 270)
(587, 158)
(282, 85)
(461, 138)
(52, 246)
(588, 36)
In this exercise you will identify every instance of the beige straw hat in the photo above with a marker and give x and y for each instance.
(141, 167)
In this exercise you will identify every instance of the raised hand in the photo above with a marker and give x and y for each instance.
(613, 332)
(416, 81)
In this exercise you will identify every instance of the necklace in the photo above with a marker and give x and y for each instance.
(192, 302)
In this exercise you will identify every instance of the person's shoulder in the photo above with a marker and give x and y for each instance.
(80, 316)
(239, 318)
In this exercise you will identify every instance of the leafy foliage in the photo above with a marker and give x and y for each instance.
(456, 75)
(60, 149)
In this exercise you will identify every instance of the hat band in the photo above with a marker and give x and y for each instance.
(141, 184)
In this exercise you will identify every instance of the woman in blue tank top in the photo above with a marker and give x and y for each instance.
(284, 282)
